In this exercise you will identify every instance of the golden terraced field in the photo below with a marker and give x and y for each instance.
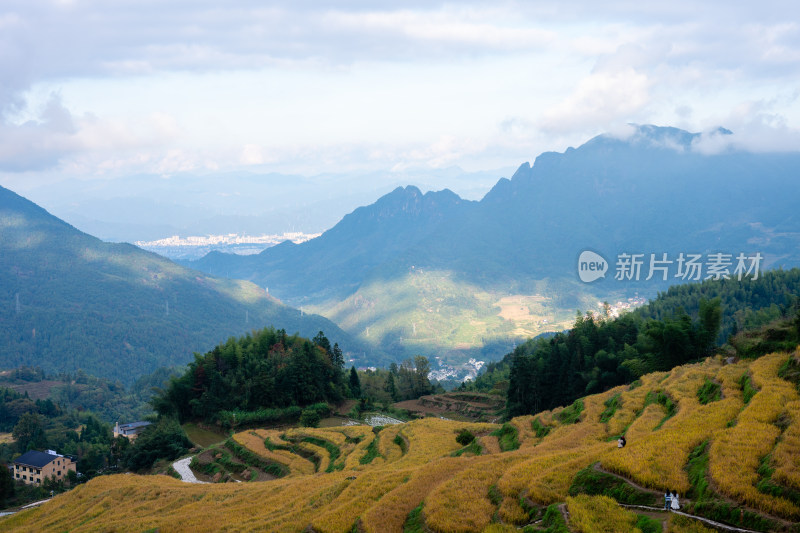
(352, 477)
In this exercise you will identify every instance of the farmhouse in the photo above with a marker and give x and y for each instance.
(34, 467)
(130, 430)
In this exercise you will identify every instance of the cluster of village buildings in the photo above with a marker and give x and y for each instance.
(34, 467)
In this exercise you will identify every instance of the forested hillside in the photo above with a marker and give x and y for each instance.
(503, 269)
(681, 325)
(263, 371)
(70, 302)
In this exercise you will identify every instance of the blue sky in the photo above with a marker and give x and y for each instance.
(111, 90)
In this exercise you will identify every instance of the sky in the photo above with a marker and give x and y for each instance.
(112, 90)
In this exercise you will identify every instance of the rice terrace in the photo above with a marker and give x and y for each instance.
(724, 435)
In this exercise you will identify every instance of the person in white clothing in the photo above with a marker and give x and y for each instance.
(674, 503)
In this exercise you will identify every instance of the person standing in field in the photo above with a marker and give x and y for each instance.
(667, 501)
(675, 503)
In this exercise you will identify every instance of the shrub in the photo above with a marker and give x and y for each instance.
(539, 429)
(612, 404)
(553, 520)
(371, 452)
(571, 414)
(507, 437)
(310, 418)
(648, 525)
(414, 522)
(465, 437)
(748, 389)
(709, 392)
(400, 441)
(163, 440)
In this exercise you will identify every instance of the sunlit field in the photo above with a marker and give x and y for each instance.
(373, 479)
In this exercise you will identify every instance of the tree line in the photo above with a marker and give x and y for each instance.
(267, 368)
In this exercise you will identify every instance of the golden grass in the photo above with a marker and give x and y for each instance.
(511, 512)
(461, 504)
(490, 444)
(786, 456)
(681, 524)
(353, 460)
(599, 514)
(736, 452)
(359, 496)
(297, 465)
(651, 455)
(386, 447)
(456, 490)
(395, 506)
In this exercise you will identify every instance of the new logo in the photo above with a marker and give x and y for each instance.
(591, 266)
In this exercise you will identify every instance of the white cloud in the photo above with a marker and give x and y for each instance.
(602, 98)
(452, 82)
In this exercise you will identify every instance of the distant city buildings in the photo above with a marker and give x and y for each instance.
(194, 247)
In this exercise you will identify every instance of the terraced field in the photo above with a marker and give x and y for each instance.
(732, 456)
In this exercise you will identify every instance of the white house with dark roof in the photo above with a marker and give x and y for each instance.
(130, 430)
(34, 467)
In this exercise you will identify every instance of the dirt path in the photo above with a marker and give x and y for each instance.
(633, 484)
(685, 501)
(182, 468)
(660, 511)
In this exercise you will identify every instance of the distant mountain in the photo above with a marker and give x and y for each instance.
(151, 207)
(653, 192)
(333, 265)
(69, 301)
(650, 193)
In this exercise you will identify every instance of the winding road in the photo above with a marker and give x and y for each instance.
(182, 468)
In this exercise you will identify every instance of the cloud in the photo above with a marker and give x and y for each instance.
(588, 67)
(38, 144)
(602, 98)
(753, 128)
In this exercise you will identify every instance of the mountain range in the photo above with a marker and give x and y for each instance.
(505, 267)
(70, 301)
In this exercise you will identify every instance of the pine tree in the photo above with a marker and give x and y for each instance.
(355, 383)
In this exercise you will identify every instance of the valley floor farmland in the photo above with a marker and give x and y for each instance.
(335, 479)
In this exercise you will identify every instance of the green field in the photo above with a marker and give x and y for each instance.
(435, 313)
(203, 436)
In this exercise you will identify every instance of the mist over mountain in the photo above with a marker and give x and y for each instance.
(654, 192)
(150, 207)
(436, 274)
(69, 301)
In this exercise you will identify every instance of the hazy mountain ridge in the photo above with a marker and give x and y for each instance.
(363, 240)
(74, 302)
(653, 192)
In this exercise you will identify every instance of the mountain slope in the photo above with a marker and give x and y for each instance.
(335, 265)
(653, 192)
(71, 301)
(730, 450)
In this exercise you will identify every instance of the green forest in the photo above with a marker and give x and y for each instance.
(685, 323)
(265, 369)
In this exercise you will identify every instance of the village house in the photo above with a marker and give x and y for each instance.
(34, 467)
(130, 430)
